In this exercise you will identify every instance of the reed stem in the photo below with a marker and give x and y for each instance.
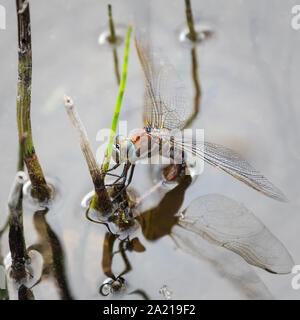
(113, 39)
(40, 189)
(102, 200)
(190, 21)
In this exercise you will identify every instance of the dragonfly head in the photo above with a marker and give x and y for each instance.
(123, 149)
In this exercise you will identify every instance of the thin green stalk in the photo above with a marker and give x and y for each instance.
(40, 189)
(119, 104)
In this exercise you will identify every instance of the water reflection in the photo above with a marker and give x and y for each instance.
(159, 221)
(117, 284)
(209, 222)
(53, 256)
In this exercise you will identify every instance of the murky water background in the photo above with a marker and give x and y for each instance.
(249, 79)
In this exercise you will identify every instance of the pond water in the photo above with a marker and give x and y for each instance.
(249, 81)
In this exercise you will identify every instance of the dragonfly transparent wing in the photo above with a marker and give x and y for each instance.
(226, 223)
(165, 98)
(227, 160)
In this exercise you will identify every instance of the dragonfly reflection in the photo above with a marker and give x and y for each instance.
(165, 115)
(229, 224)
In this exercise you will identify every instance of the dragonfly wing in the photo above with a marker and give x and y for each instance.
(229, 224)
(224, 159)
(230, 162)
(165, 99)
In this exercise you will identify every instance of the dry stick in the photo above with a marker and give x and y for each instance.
(113, 40)
(193, 37)
(40, 189)
(102, 200)
(16, 235)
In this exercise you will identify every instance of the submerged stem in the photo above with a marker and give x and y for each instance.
(40, 189)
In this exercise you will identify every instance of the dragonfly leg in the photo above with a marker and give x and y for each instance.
(114, 167)
(130, 175)
(112, 174)
(128, 182)
(114, 185)
(123, 176)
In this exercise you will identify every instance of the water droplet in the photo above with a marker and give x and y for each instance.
(112, 286)
(181, 215)
(166, 292)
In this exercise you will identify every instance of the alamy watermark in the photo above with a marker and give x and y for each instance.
(296, 279)
(155, 146)
(295, 22)
(2, 17)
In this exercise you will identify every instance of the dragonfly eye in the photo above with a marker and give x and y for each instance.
(148, 128)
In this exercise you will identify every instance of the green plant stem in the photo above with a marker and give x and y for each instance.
(119, 103)
(40, 189)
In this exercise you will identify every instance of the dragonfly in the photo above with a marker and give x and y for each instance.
(165, 113)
